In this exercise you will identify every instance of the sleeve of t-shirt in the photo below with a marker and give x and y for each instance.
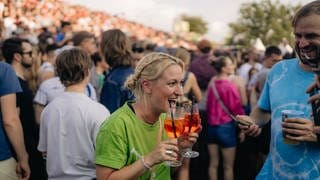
(111, 147)
(9, 82)
(42, 145)
(41, 97)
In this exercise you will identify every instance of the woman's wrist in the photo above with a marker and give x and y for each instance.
(146, 164)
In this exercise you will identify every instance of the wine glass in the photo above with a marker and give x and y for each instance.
(193, 124)
(174, 126)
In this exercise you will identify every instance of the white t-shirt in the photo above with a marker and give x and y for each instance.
(46, 66)
(244, 69)
(51, 88)
(68, 130)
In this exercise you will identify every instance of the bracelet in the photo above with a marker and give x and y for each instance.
(144, 163)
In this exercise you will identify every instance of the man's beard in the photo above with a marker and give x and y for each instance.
(312, 62)
(26, 65)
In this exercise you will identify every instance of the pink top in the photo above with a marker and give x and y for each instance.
(229, 95)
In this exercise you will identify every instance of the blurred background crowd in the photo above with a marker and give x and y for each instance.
(51, 26)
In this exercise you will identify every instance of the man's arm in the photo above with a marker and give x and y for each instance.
(257, 118)
(14, 132)
(260, 116)
(38, 108)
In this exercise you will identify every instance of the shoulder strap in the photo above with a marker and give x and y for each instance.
(185, 78)
(88, 90)
(224, 107)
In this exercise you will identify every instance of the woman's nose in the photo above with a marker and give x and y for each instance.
(179, 90)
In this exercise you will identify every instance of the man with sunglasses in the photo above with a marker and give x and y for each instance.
(18, 53)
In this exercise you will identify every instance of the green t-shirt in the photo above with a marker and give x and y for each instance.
(123, 138)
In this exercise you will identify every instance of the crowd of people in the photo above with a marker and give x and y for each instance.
(85, 95)
(29, 17)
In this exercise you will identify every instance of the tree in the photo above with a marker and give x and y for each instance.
(265, 20)
(196, 24)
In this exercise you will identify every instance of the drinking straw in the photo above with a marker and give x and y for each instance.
(172, 121)
(191, 113)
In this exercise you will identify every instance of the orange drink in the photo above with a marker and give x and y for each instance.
(192, 122)
(178, 128)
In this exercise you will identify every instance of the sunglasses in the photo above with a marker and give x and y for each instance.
(29, 53)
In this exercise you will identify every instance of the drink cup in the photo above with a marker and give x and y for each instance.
(174, 127)
(290, 114)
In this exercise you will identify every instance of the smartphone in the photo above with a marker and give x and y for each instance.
(315, 107)
(242, 122)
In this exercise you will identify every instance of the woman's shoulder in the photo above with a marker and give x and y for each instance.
(119, 117)
(238, 80)
(190, 77)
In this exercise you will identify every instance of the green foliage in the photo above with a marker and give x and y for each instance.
(267, 20)
(196, 23)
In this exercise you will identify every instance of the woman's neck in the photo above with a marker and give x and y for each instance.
(222, 76)
(99, 70)
(145, 113)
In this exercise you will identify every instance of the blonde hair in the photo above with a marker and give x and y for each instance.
(150, 67)
(182, 54)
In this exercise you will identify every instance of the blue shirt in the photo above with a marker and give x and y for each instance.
(9, 84)
(59, 37)
(285, 89)
(113, 93)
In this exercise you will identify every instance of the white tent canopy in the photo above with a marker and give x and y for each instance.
(258, 44)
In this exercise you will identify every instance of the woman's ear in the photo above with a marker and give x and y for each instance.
(146, 86)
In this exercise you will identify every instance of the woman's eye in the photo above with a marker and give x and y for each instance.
(171, 84)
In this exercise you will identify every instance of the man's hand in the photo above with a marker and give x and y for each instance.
(23, 169)
(251, 130)
(300, 129)
(316, 84)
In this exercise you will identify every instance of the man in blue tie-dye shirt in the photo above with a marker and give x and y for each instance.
(285, 89)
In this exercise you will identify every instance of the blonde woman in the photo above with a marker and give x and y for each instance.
(131, 144)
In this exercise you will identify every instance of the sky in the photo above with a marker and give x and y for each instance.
(160, 14)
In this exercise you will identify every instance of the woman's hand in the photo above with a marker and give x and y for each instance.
(169, 150)
(165, 151)
(252, 129)
(188, 140)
